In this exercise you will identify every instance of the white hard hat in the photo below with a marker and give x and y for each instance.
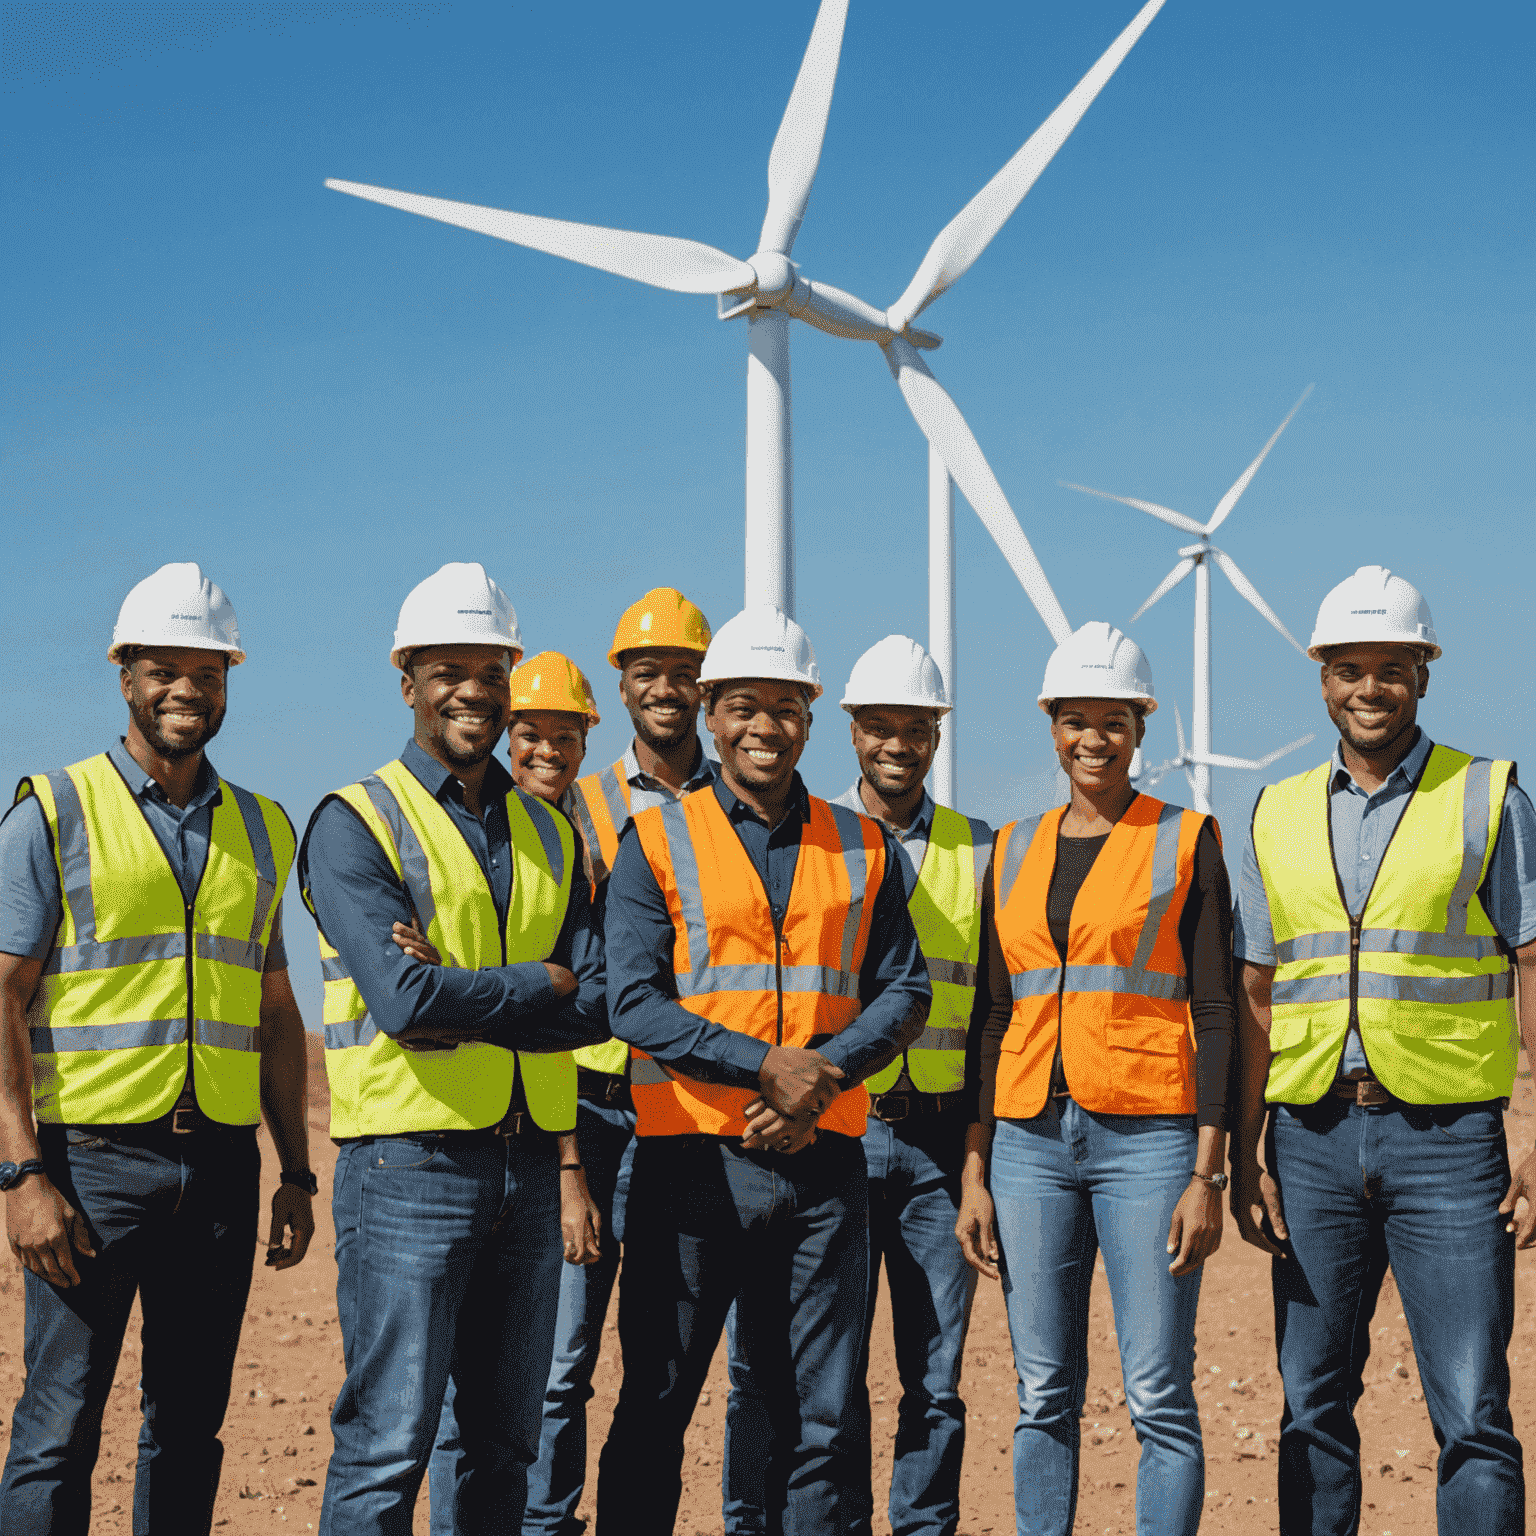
(896, 671)
(457, 605)
(761, 642)
(1374, 607)
(1098, 662)
(179, 606)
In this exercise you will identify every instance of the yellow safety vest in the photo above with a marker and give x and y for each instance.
(1426, 973)
(946, 912)
(377, 1087)
(136, 973)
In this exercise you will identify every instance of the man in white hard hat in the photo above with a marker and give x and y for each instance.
(914, 1146)
(450, 1082)
(1387, 899)
(140, 1175)
(658, 646)
(763, 964)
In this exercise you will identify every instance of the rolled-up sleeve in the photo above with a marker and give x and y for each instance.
(30, 906)
(1509, 889)
(357, 899)
(642, 991)
(894, 994)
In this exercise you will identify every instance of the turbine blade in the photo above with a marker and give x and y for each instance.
(1194, 787)
(1227, 502)
(969, 233)
(1166, 585)
(797, 146)
(1275, 756)
(1247, 590)
(1177, 519)
(945, 429)
(1221, 760)
(663, 261)
(1178, 725)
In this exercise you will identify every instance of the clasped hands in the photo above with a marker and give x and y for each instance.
(797, 1086)
(409, 938)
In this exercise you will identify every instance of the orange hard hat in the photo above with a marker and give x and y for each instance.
(552, 681)
(663, 617)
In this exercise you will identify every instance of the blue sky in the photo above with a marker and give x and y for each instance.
(211, 357)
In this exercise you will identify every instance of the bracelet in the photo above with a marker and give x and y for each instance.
(570, 1167)
(1217, 1181)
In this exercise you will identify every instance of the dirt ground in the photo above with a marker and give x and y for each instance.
(277, 1435)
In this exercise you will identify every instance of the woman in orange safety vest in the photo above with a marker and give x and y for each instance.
(1099, 1058)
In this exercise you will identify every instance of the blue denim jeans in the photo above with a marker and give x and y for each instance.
(605, 1138)
(447, 1259)
(1416, 1189)
(785, 1237)
(173, 1221)
(1067, 1185)
(914, 1194)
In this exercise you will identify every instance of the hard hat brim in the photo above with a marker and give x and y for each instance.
(814, 689)
(660, 645)
(1317, 647)
(1149, 704)
(402, 653)
(853, 705)
(116, 649)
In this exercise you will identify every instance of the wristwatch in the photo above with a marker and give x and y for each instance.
(301, 1178)
(1215, 1180)
(11, 1174)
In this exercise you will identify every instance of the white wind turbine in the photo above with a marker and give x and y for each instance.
(768, 290)
(1197, 557)
(1192, 761)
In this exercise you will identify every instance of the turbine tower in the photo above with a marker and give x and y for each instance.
(768, 291)
(1198, 557)
(1192, 760)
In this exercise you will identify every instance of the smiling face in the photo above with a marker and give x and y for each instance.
(1372, 693)
(176, 696)
(546, 747)
(461, 698)
(895, 745)
(760, 728)
(660, 689)
(1095, 741)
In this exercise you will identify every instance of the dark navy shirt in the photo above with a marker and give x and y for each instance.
(894, 994)
(358, 899)
(30, 906)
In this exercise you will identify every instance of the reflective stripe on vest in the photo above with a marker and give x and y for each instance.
(946, 912)
(1119, 1006)
(796, 987)
(120, 993)
(601, 803)
(1430, 983)
(378, 1088)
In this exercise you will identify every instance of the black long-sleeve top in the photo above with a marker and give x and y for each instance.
(1205, 937)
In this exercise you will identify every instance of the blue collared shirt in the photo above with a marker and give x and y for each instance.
(30, 905)
(911, 840)
(645, 790)
(1362, 824)
(894, 994)
(358, 900)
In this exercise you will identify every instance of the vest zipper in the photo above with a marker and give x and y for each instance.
(778, 972)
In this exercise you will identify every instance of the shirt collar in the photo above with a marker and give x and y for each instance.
(438, 780)
(739, 810)
(920, 824)
(205, 792)
(1405, 773)
(705, 770)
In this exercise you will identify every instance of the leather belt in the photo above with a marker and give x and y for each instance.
(180, 1122)
(892, 1108)
(1365, 1091)
(610, 1089)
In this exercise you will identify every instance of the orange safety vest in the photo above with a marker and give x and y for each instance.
(797, 985)
(601, 807)
(1120, 1005)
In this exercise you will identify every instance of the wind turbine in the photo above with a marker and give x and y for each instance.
(768, 290)
(1192, 761)
(1197, 557)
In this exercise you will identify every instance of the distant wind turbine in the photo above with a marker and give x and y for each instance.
(768, 290)
(1197, 557)
(1191, 761)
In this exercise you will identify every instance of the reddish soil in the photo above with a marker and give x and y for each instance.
(277, 1435)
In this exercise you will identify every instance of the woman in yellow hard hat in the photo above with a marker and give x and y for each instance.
(552, 711)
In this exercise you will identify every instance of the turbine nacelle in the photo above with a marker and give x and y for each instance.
(779, 285)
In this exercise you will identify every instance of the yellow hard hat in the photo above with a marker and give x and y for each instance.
(552, 681)
(663, 617)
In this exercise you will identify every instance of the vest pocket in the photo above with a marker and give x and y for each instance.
(1150, 1037)
(1286, 1032)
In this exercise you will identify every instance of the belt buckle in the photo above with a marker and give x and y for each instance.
(613, 1089)
(511, 1125)
(879, 1107)
(1369, 1094)
(183, 1122)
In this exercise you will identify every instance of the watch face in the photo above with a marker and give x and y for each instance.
(8, 1172)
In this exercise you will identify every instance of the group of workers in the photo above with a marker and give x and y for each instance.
(759, 1043)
